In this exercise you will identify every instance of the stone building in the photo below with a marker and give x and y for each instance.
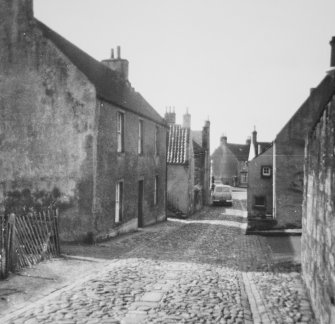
(259, 195)
(288, 161)
(188, 166)
(230, 161)
(73, 125)
(318, 221)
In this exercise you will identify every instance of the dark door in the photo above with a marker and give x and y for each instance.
(140, 203)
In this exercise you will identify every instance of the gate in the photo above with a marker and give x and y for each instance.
(28, 238)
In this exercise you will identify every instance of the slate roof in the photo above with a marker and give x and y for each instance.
(110, 86)
(178, 145)
(265, 149)
(241, 151)
(197, 149)
(264, 146)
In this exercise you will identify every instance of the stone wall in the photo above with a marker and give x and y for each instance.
(178, 187)
(290, 142)
(130, 167)
(318, 239)
(289, 182)
(47, 109)
(199, 178)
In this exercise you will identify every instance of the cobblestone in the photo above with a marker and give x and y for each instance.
(181, 273)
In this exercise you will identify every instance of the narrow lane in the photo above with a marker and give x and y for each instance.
(179, 272)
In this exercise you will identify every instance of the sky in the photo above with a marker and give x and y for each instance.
(240, 63)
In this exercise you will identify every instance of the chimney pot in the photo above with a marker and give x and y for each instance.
(118, 52)
(187, 120)
(332, 55)
(112, 53)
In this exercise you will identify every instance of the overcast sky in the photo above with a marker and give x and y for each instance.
(240, 62)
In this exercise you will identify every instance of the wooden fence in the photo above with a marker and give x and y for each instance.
(27, 239)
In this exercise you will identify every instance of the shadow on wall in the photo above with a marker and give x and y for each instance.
(20, 201)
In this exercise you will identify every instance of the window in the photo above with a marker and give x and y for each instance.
(266, 171)
(156, 140)
(120, 131)
(244, 177)
(260, 201)
(118, 202)
(156, 191)
(140, 137)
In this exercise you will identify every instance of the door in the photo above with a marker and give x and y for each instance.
(140, 203)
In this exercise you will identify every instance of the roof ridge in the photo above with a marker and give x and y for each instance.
(108, 83)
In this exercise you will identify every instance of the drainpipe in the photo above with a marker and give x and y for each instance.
(166, 169)
(274, 173)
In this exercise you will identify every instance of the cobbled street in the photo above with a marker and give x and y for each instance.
(199, 270)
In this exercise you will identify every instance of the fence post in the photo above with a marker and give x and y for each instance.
(2, 247)
(12, 257)
(56, 222)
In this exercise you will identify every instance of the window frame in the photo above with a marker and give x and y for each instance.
(140, 143)
(266, 175)
(263, 206)
(119, 199)
(120, 117)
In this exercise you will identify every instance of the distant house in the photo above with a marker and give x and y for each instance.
(230, 161)
(188, 166)
(259, 195)
(76, 125)
(283, 192)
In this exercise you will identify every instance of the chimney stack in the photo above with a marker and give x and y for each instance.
(248, 141)
(332, 55)
(223, 140)
(254, 140)
(187, 120)
(254, 136)
(206, 135)
(118, 64)
(170, 116)
(15, 17)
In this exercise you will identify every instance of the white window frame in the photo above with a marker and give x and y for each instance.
(140, 137)
(120, 131)
(119, 201)
(266, 171)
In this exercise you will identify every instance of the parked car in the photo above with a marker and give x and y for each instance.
(222, 194)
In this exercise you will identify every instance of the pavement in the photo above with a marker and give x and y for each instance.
(200, 270)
